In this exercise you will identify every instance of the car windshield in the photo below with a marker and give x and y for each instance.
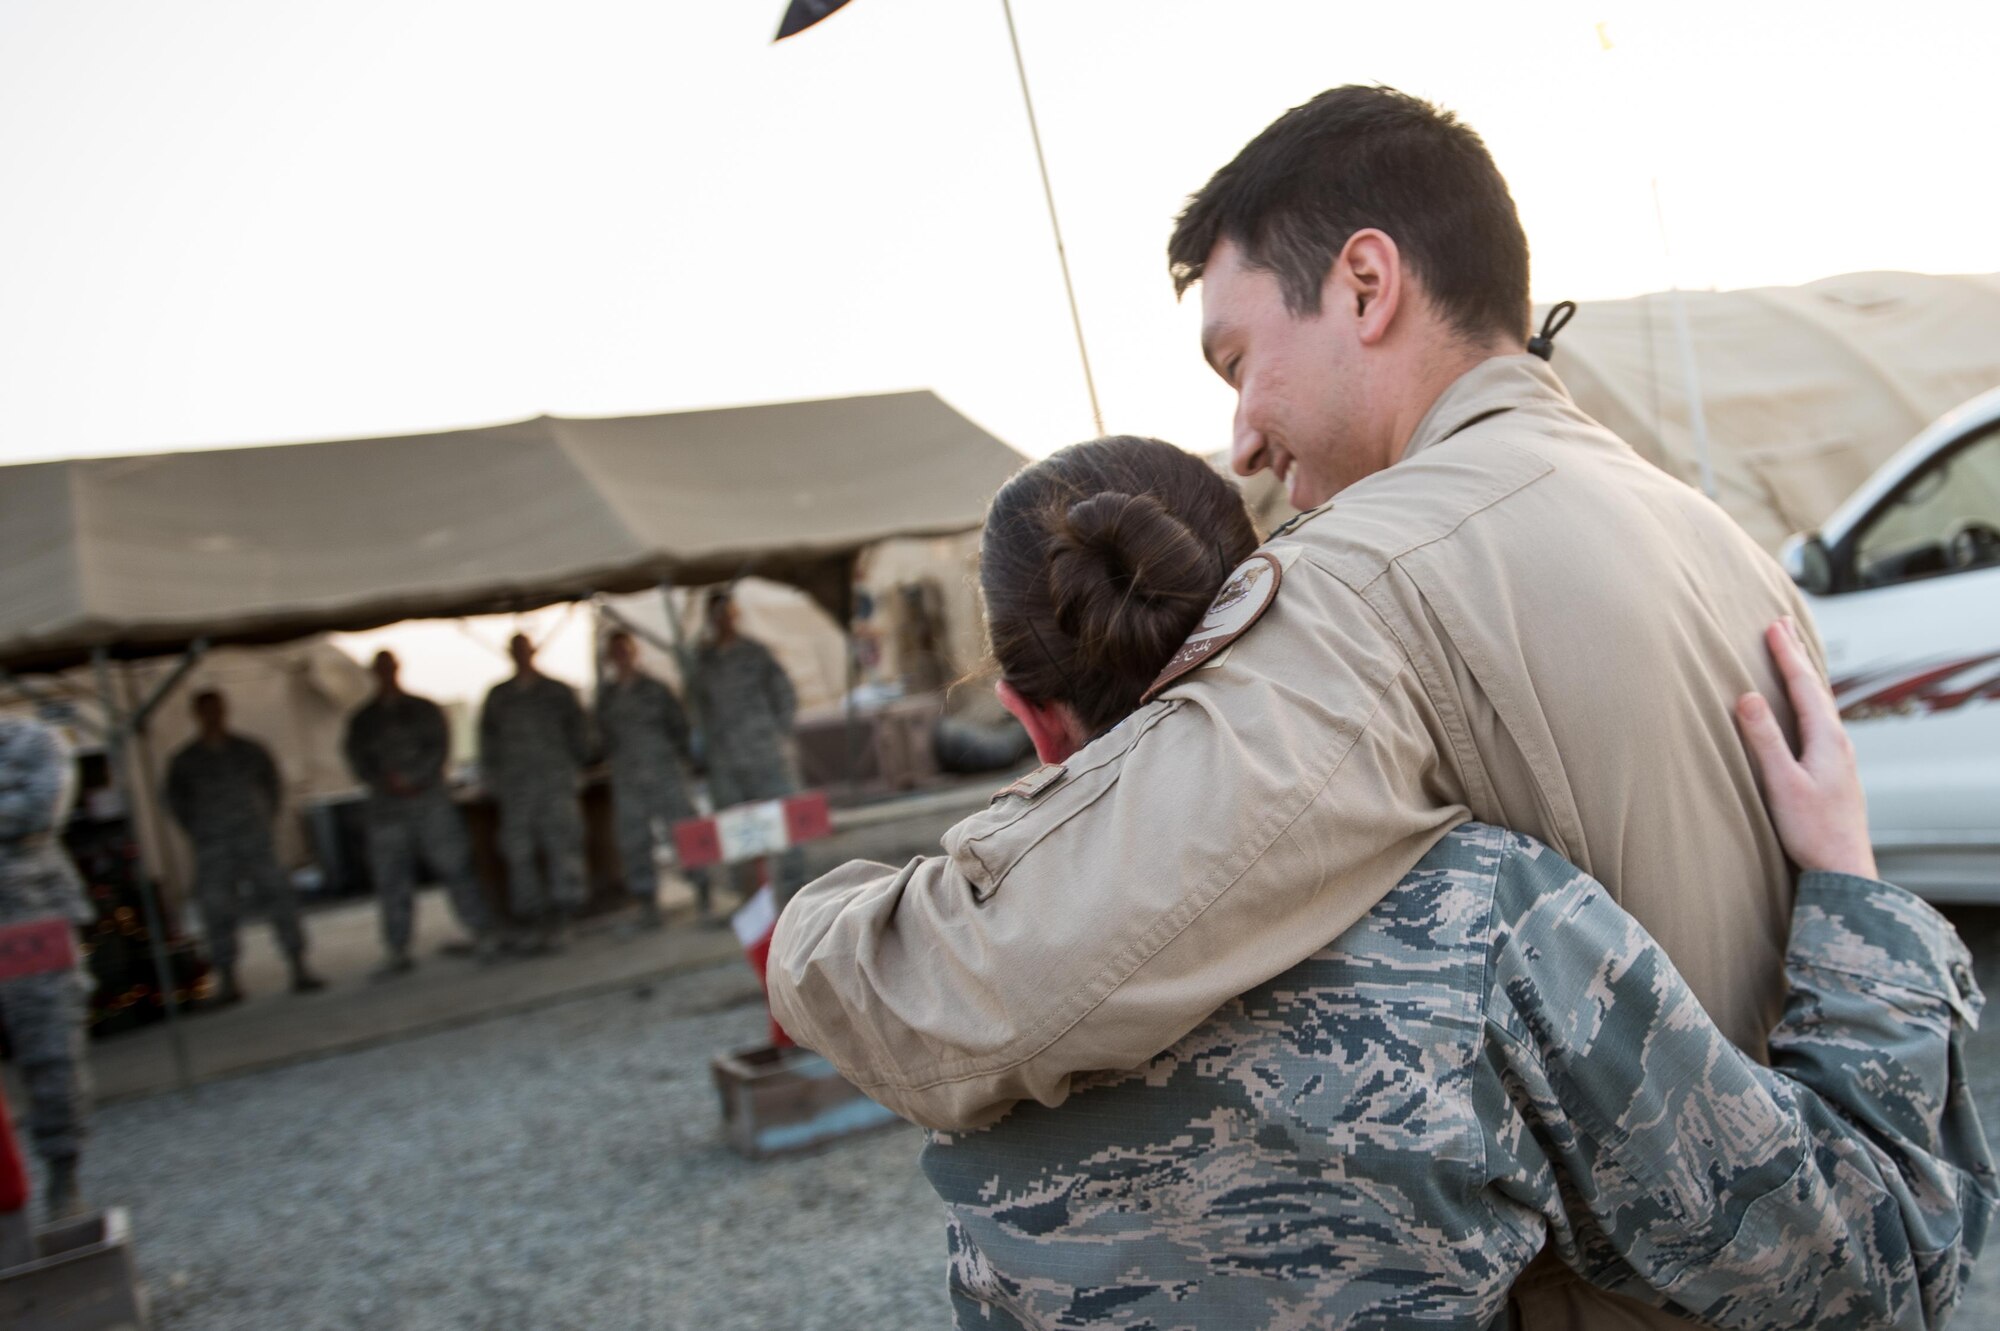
(1946, 520)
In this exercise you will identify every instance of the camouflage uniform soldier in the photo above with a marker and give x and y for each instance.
(223, 790)
(1497, 1023)
(44, 1014)
(745, 704)
(532, 743)
(645, 737)
(398, 746)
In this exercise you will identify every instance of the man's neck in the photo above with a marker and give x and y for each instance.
(214, 739)
(1434, 375)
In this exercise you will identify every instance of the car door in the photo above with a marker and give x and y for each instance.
(1912, 633)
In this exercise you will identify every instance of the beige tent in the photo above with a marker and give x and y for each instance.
(145, 554)
(1805, 390)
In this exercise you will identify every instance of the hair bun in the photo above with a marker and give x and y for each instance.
(1128, 581)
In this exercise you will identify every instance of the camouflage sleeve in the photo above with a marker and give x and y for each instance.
(607, 734)
(36, 782)
(576, 725)
(265, 771)
(778, 687)
(179, 789)
(491, 756)
(359, 750)
(677, 723)
(1848, 1185)
(435, 733)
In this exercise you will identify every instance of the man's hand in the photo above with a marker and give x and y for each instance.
(1815, 799)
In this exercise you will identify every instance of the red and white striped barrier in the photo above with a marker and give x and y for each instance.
(750, 831)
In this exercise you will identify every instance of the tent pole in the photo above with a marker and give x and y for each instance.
(1055, 223)
(849, 720)
(1684, 337)
(118, 736)
(189, 659)
(684, 656)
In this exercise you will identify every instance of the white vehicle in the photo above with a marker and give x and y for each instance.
(1904, 584)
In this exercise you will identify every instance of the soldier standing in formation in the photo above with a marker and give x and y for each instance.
(398, 746)
(745, 705)
(223, 790)
(45, 1014)
(645, 737)
(532, 744)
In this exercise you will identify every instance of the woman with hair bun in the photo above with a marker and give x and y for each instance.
(1493, 1058)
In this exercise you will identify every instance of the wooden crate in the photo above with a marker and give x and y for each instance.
(779, 1100)
(84, 1280)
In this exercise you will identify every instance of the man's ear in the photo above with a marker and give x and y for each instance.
(1367, 283)
(1047, 723)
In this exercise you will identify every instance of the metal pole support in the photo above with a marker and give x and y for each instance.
(118, 736)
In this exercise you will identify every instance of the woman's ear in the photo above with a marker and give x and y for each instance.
(1048, 724)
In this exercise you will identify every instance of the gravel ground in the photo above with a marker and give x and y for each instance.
(563, 1170)
(540, 1173)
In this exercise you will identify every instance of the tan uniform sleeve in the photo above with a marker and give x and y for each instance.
(1213, 840)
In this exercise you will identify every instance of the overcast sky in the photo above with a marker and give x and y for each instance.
(234, 221)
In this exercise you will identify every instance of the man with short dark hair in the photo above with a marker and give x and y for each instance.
(533, 740)
(746, 704)
(1490, 609)
(398, 745)
(224, 791)
(645, 737)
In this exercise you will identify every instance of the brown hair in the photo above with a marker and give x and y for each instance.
(1358, 157)
(1097, 562)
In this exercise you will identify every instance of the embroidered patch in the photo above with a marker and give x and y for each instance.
(1034, 783)
(1245, 596)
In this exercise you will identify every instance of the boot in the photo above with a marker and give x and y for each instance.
(648, 920)
(396, 963)
(227, 991)
(488, 947)
(303, 980)
(61, 1198)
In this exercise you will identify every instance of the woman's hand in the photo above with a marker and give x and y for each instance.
(1815, 799)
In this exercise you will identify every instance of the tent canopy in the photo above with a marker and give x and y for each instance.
(1805, 390)
(146, 554)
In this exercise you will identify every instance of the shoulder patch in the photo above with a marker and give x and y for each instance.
(1246, 594)
(1033, 784)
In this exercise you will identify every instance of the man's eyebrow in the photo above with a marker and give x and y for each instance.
(1210, 335)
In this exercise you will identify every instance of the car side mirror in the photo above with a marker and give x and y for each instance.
(1808, 562)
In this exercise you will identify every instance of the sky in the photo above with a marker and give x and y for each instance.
(231, 221)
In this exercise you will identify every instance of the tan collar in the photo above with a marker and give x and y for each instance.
(1498, 384)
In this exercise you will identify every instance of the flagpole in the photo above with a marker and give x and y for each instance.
(1055, 223)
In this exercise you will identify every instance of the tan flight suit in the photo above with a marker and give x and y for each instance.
(1521, 621)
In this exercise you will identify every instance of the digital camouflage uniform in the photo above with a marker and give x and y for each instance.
(45, 1015)
(1494, 1056)
(225, 797)
(745, 704)
(645, 737)
(402, 736)
(532, 743)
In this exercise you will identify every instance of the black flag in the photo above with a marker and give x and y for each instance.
(803, 14)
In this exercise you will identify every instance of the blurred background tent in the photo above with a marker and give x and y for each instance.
(1805, 390)
(144, 555)
(129, 562)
